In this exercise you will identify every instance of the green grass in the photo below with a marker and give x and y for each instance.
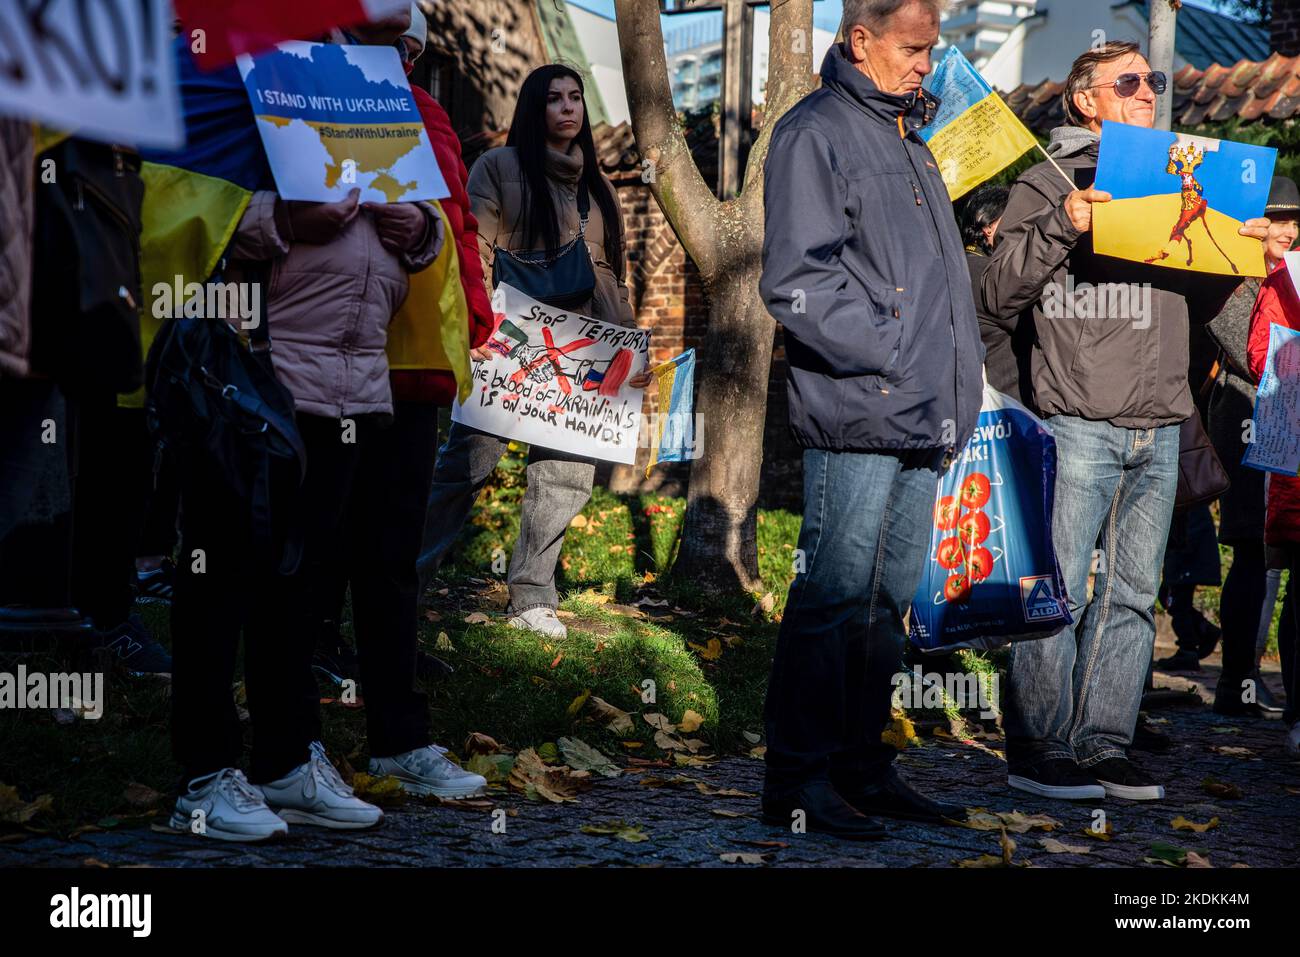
(1207, 600)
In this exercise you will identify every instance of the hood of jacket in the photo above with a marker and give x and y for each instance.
(917, 109)
(1072, 141)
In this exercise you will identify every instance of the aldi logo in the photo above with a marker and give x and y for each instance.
(1039, 599)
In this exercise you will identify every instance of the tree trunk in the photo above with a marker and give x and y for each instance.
(719, 548)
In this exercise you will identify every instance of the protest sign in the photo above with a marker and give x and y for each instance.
(102, 70)
(558, 380)
(1275, 426)
(974, 135)
(334, 118)
(217, 32)
(1179, 200)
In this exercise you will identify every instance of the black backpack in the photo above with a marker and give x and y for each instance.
(86, 267)
(212, 396)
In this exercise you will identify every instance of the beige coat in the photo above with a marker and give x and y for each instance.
(329, 307)
(16, 193)
(496, 191)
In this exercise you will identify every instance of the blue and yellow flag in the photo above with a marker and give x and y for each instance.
(975, 135)
(195, 196)
(675, 429)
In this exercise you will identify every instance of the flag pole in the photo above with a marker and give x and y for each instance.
(1064, 175)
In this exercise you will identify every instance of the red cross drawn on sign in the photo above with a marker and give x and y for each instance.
(552, 355)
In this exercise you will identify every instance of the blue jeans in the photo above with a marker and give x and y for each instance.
(1076, 694)
(866, 530)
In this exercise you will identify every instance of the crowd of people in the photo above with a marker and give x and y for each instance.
(895, 316)
(887, 303)
(264, 566)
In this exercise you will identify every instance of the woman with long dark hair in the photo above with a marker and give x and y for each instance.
(529, 197)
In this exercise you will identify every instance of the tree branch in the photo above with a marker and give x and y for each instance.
(677, 184)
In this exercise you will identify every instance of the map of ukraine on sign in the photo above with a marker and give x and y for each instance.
(334, 118)
(559, 380)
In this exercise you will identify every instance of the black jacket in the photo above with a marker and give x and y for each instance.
(864, 266)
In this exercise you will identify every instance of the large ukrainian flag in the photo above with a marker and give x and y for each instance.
(195, 196)
(975, 135)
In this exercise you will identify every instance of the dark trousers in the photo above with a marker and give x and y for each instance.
(1241, 604)
(228, 585)
(384, 527)
(1288, 642)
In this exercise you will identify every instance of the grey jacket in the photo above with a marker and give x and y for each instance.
(1110, 354)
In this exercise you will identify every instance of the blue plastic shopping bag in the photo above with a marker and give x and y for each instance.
(991, 575)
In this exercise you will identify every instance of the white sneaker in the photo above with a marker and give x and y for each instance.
(1293, 741)
(314, 793)
(542, 620)
(429, 771)
(230, 809)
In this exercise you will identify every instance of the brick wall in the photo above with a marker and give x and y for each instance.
(1284, 28)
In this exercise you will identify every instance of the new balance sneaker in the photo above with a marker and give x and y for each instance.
(1123, 779)
(156, 583)
(429, 771)
(136, 648)
(543, 620)
(314, 793)
(225, 807)
(1057, 778)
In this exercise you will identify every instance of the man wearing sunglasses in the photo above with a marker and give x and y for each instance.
(1111, 381)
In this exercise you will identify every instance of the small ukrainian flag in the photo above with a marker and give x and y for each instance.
(975, 135)
(676, 426)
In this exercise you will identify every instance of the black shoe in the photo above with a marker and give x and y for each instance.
(825, 812)
(894, 797)
(1263, 697)
(1231, 706)
(1123, 779)
(338, 663)
(1058, 778)
(136, 648)
(1181, 660)
(1147, 738)
(156, 585)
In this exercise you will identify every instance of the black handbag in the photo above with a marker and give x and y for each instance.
(1201, 477)
(217, 401)
(564, 278)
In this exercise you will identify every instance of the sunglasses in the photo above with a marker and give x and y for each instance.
(1126, 84)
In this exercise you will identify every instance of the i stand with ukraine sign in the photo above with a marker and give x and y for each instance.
(975, 135)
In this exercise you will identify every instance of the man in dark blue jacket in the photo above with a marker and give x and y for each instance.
(864, 266)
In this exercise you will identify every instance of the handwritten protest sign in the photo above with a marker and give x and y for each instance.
(1275, 427)
(103, 70)
(558, 380)
(334, 118)
(1178, 200)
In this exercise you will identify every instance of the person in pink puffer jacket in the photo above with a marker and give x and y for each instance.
(333, 276)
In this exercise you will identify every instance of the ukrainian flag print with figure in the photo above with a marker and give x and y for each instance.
(1178, 200)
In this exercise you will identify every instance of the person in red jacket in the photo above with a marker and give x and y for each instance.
(1278, 303)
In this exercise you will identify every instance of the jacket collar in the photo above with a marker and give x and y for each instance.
(917, 109)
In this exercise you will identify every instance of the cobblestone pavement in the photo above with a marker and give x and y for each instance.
(685, 827)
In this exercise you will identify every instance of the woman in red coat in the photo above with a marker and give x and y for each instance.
(1278, 303)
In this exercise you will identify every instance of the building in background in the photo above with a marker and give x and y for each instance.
(694, 50)
(1042, 46)
(978, 27)
(598, 37)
